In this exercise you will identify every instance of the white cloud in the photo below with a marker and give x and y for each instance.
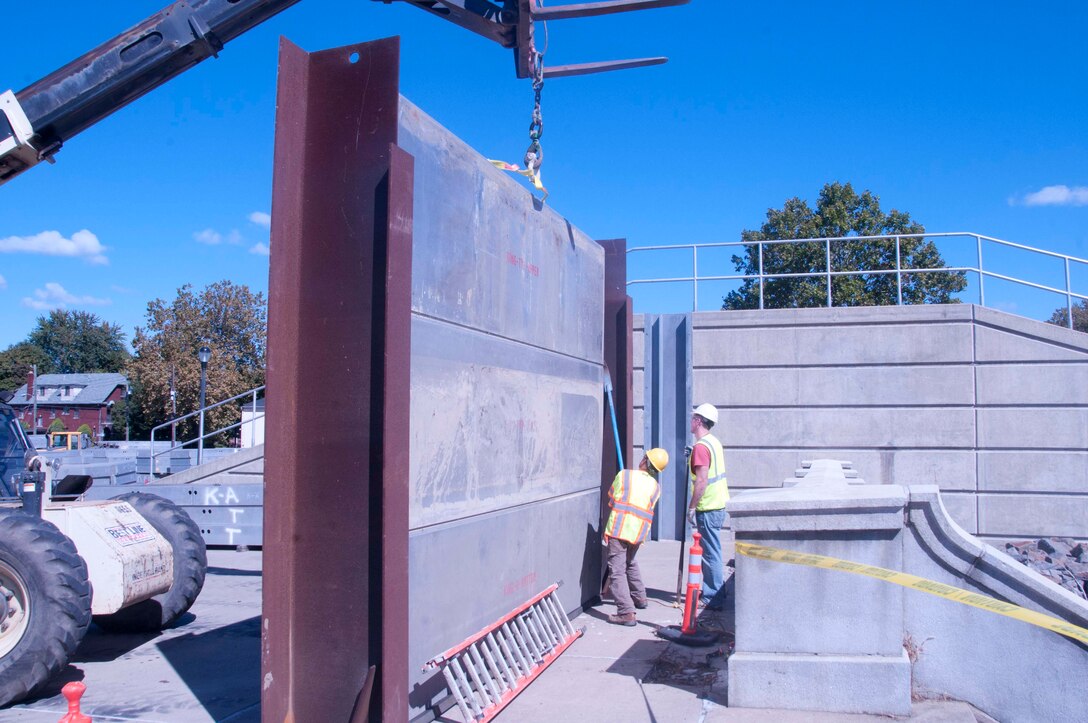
(208, 236)
(3, 282)
(1058, 196)
(55, 296)
(259, 248)
(261, 218)
(83, 244)
(211, 237)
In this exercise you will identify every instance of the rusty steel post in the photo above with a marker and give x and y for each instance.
(335, 529)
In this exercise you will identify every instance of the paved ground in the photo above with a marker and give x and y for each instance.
(208, 669)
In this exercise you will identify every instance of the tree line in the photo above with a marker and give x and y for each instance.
(228, 318)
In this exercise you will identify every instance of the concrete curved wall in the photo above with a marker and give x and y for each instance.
(991, 406)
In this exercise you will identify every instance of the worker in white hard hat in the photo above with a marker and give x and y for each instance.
(632, 499)
(708, 495)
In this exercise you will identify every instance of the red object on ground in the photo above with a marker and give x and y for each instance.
(73, 692)
(695, 585)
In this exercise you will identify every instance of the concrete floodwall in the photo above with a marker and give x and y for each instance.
(812, 638)
(434, 443)
(506, 399)
(990, 406)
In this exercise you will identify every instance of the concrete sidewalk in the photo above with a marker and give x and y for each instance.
(628, 674)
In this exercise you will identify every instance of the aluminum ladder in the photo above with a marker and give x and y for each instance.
(486, 671)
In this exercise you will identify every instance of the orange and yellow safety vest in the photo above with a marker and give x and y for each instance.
(633, 496)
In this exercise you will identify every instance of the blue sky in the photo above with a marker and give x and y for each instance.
(971, 116)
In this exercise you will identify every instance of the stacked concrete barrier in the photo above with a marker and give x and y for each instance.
(818, 639)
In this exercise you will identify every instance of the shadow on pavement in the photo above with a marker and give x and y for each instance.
(233, 572)
(222, 667)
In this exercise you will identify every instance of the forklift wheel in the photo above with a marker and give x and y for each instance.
(45, 603)
(190, 567)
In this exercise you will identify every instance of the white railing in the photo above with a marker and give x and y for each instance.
(202, 434)
(899, 271)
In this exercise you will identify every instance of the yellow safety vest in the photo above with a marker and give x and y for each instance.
(717, 491)
(632, 499)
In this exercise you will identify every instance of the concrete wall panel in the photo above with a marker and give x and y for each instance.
(1033, 471)
(1024, 515)
(1046, 428)
(1004, 345)
(839, 386)
(787, 427)
(955, 395)
(830, 346)
(1032, 384)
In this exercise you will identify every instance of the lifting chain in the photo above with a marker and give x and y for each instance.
(534, 155)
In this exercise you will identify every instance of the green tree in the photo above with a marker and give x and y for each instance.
(57, 425)
(79, 342)
(16, 362)
(839, 212)
(230, 320)
(1080, 316)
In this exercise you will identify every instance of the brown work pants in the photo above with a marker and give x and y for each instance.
(625, 580)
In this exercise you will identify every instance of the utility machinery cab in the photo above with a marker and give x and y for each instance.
(61, 441)
(13, 448)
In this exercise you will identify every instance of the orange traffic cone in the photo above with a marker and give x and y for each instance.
(73, 692)
(695, 585)
(688, 633)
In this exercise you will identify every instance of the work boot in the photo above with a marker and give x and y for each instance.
(627, 619)
(641, 604)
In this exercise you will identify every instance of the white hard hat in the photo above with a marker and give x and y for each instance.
(708, 412)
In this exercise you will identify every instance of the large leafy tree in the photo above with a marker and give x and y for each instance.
(79, 342)
(840, 211)
(16, 362)
(1080, 316)
(230, 320)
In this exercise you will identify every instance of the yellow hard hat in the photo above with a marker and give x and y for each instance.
(659, 458)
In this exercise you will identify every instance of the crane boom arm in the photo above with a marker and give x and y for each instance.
(38, 120)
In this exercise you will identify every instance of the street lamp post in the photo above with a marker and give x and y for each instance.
(203, 355)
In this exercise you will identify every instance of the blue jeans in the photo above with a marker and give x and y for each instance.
(710, 524)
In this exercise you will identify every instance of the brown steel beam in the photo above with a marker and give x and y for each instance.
(617, 355)
(336, 441)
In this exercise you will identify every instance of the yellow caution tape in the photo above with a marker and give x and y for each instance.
(533, 177)
(948, 592)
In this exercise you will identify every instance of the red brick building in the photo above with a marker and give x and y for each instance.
(75, 399)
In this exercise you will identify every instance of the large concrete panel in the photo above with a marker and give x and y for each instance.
(467, 574)
(831, 346)
(1033, 384)
(1033, 471)
(952, 470)
(885, 386)
(899, 392)
(1008, 345)
(1039, 428)
(496, 423)
(488, 257)
(1022, 515)
(935, 427)
(507, 406)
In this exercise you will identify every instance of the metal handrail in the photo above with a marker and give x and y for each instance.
(899, 269)
(200, 437)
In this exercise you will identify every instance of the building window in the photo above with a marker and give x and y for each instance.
(75, 414)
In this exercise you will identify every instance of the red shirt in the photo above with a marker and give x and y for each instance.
(700, 457)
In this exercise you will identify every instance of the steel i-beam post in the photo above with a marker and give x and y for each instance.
(335, 597)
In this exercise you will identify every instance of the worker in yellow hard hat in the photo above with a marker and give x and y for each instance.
(708, 493)
(632, 499)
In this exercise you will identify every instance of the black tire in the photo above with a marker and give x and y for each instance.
(45, 601)
(190, 567)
